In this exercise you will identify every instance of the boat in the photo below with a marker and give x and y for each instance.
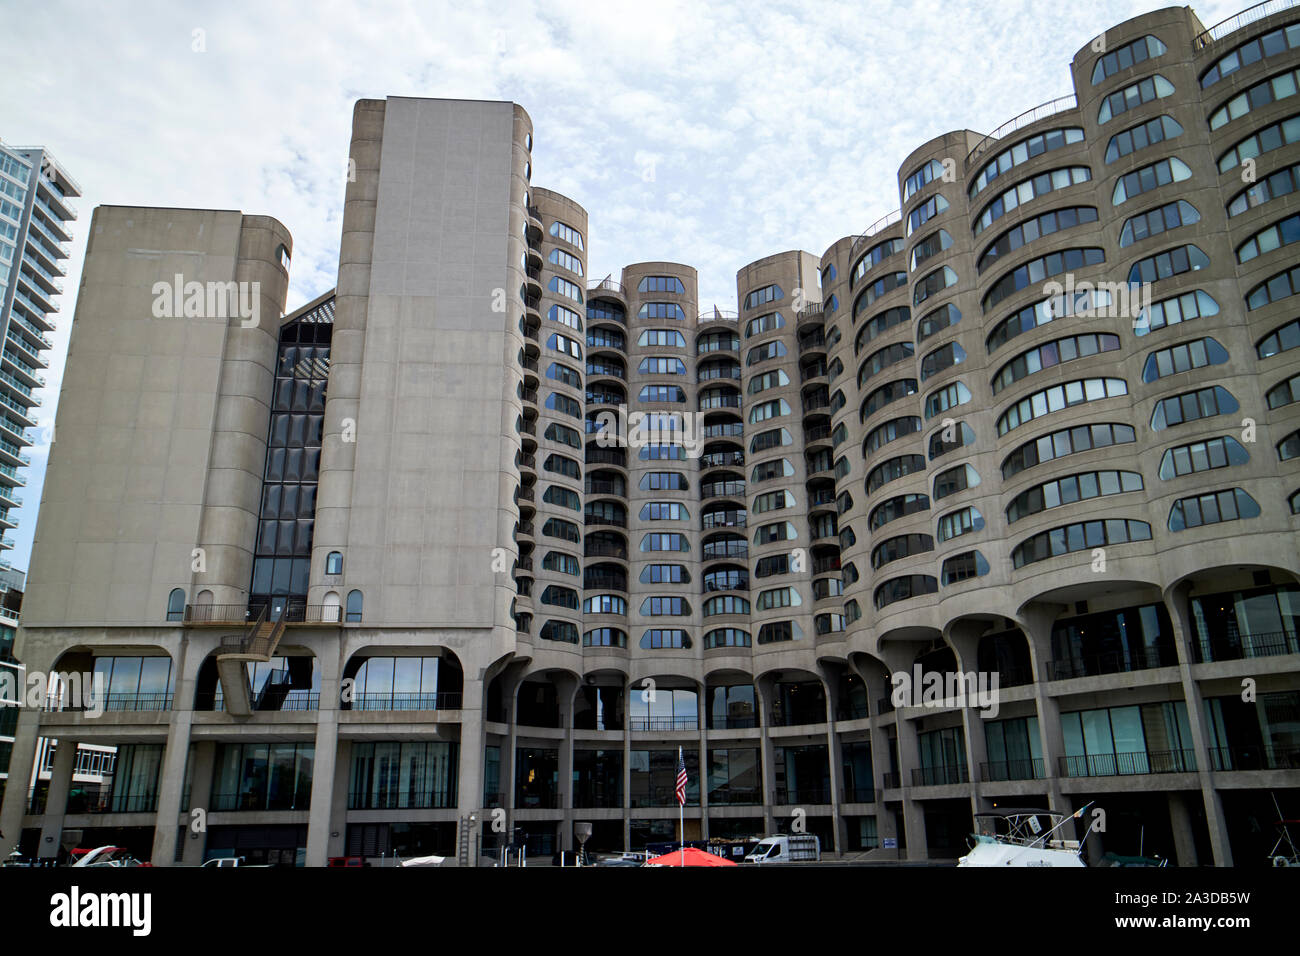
(1023, 838)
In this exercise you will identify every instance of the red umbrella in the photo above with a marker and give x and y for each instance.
(693, 857)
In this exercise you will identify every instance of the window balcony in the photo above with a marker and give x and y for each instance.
(789, 796)
(400, 701)
(662, 724)
(439, 799)
(729, 796)
(1235, 647)
(1116, 662)
(859, 794)
(938, 776)
(1127, 764)
(1255, 757)
(1003, 770)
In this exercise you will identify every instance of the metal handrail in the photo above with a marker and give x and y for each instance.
(876, 227)
(1041, 111)
(1246, 17)
(607, 285)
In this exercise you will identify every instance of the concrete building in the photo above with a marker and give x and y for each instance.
(373, 578)
(35, 212)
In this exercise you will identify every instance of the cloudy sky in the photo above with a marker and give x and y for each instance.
(707, 133)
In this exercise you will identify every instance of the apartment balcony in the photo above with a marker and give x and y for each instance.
(251, 802)
(606, 285)
(604, 549)
(604, 581)
(50, 198)
(12, 457)
(1254, 757)
(802, 796)
(1116, 662)
(36, 297)
(534, 800)
(1000, 771)
(8, 499)
(1129, 764)
(722, 459)
(46, 280)
(662, 724)
(20, 370)
(45, 257)
(22, 343)
(728, 796)
(595, 455)
(1236, 647)
(442, 799)
(55, 241)
(409, 701)
(131, 702)
(938, 776)
(30, 331)
(859, 795)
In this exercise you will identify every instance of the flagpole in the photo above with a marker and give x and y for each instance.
(681, 813)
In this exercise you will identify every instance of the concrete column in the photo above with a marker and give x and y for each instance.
(702, 722)
(171, 781)
(1177, 604)
(56, 805)
(469, 782)
(767, 754)
(322, 776)
(1037, 628)
(1181, 822)
(909, 755)
(627, 780)
(21, 761)
(202, 766)
(339, 813)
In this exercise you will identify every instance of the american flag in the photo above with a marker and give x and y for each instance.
(681, 778)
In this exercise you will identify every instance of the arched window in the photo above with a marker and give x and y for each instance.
(176, 605)
(354, 607)
(334, 562)
(331, 608)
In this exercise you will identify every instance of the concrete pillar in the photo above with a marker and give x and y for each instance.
(21, 761)
(171, 781)
(339, 811)
(469, 782)
(702, 722)
(322, 777)
(1181, 822)
(1037, 627)
(1177, 604)
(202, 766)
(65, 761)
(767, 754)
(627, 780)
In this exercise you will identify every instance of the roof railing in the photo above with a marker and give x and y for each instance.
(1042, 111)
(1246, 17)
(877, 227)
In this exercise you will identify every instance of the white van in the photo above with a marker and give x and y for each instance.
(786, 848)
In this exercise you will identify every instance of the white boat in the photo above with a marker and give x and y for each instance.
(1023, 838)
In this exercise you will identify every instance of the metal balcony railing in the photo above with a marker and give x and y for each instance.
(656, 724)
(938, 776)
(440, 799)
(1254, 757)
(1246, 17)
(859, 794)
(1042, 111)
(1003, 770)
(1125, 764)
(1116, 662)
(404, 701)
(1235, 646)
(788, 796)
(728, 796)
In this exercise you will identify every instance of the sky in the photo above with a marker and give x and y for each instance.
(707, 133)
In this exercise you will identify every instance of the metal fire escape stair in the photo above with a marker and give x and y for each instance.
(258, 643)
